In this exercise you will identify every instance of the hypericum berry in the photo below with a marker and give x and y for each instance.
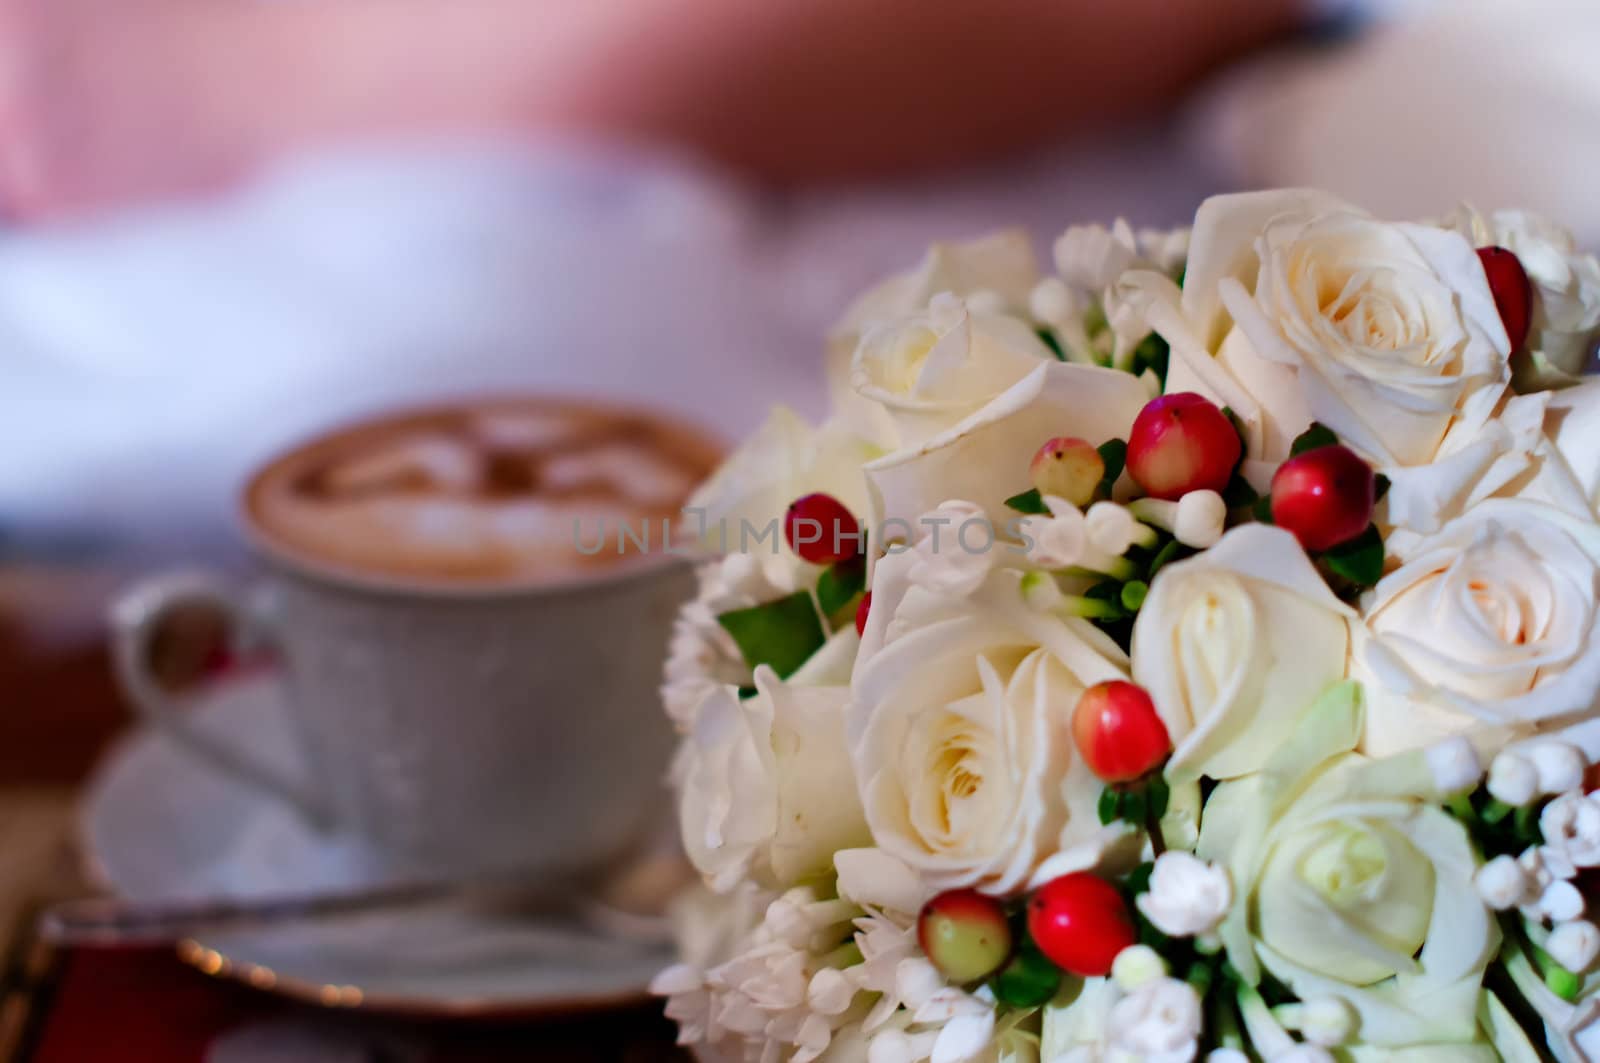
(821, 530)
(965, 934)
(1080, 922)
(1512, 291)
(1182, 443)
(861, 613)
(1069, 469)
(1325, 496)
(1118, 731)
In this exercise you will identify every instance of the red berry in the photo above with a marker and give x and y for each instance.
(1513, 293)
(1069, 469)
(821, 530)
(1118, 731)
(965, 934)
(1182, 443)
(1325, 496)
(861, 613)
(1080, 922)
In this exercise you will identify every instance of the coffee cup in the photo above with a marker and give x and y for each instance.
(472, 683)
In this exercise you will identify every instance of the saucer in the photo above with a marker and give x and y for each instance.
(159, 825)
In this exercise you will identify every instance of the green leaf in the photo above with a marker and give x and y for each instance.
(841, 582)
(1160, 795)
(1029, 980)
(1263, 509)
(1360, 560)
(1318, 435)
(746, 693)
(1030, 501)
(1153, 353)
(781, 634)
(1139, 878)
(1049, 339)
(1380, 487)
(1134, 806)
(1114, 452)
(1110, 803)
(1239, 493)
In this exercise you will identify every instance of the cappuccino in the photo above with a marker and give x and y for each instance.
(480, 493)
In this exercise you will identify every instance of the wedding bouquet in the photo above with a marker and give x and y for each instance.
(1189, 653)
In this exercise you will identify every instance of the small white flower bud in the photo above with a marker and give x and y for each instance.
(1559, 765)
(1136, 965)
(1226, 1055)
(1454, 765)
(1502, 883)
(1052, 302)
(916, 981)
(1513, 780)
(1561, 902)
(830, 992)
(1113, 529)
(1574, 945)
(1187, 895)
(1327, 1021)
(1570, 826)
(1200, 519)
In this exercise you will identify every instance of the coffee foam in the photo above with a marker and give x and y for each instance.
(498, 492)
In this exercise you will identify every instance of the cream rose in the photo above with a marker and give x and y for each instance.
(1298, 307)
(997, 272)
(931, 369)
(983, 459)
(1566, 309)
(1351, 883)
(958, 727)
(740, 509)
(1233, 645)
(1487, 626)
(765, 788)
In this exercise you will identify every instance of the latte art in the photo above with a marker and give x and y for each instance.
(486, 493)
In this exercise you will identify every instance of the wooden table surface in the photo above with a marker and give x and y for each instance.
(59, 710)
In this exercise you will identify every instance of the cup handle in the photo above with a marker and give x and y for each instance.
(137, 617)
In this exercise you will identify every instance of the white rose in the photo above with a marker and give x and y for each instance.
(765, 785)
(1159, 1022)
(741, 508)
(1566, 282)
(1298, 307)
(958, 727)
(1233, 645)
(1346, 874)
(955, 551)
(1569, 459)
(984, 459)
(931, 369)
(1188, 897)
(1001, 268)
(1488, 625)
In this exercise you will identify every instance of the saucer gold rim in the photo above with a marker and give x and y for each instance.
(215, 964)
